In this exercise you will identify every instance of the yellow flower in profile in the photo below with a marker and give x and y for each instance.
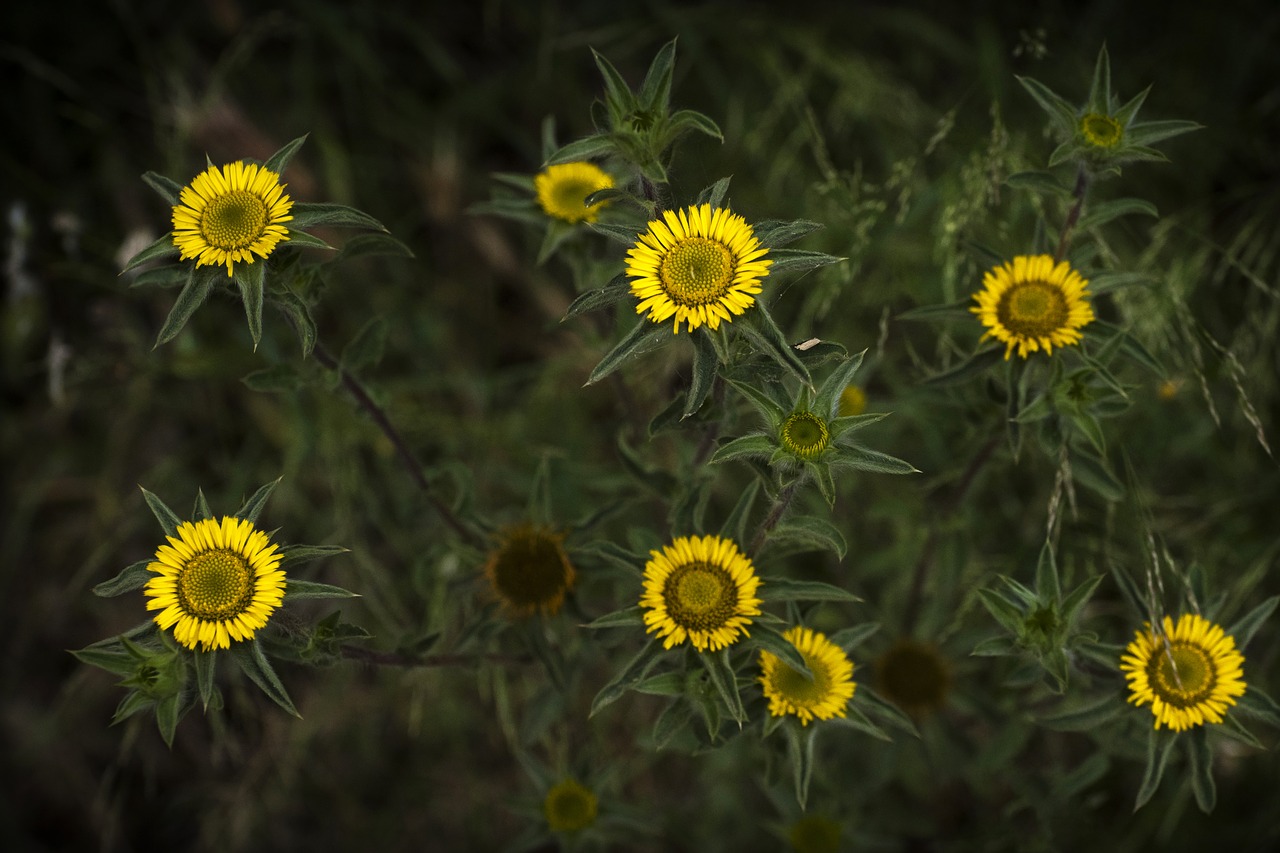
(1189, 672)
(563, 188)
(1101, 131)
(1033, 304)
(853, 401)
(216, 582)
(529, 570)
(790, 691)
(700, 589)
(228, 215)
(914, 676)
(804, 434)
(700, 265)
(569, 807)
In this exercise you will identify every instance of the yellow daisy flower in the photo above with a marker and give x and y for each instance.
(1101, 131)
(790, 692)
(569, 807)
(853, 401)
(804, 434)
(228, 215)
(1033, 304)
(1189, 672)
(216, 582)
(563, 188)
(700, 589)
(529, 570)
(700, 265)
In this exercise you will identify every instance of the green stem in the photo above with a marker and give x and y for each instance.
(1073, 216)
(775, 515)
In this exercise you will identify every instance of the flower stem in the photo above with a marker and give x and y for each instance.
(1073, 216)
(411, 464)
(775, 515)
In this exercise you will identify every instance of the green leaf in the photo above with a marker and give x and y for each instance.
(1100, 87)
(201, 510)
(251, 280)
(133, 577)
(596, 145)
(248, 655)
(655, 91)
(628, 617)
(132, 703)
(1086, 717)
(723, 679)
(1108, 210)
(1126, 114)
(1078, 597)
(296, 590)
(643, 337)
(763, 332)
(751, 446)
(1062, 112)
(1154, 131)
(199, 284)
(766, 638)
(168, 712)
(339, 215)
(1158, 751)
(674, 719)
(277, 378)
(764, 403)
(864, 459)
(593, 300)
(887, 711)
(1090, 471)
(1257, 704)
(292, 554)
(682, 121)
(800, 749)
(810, 533)
(626, 235)
(1248, 625)
(975, 364)
(1005, 613)
(279, 160)
(735, 526)
(1048, 586)
(113, 660)
(365, 245)
(1107, 282)
(1038, 181)
(798, 260)
(168, 519)
(253, 506)
(629, 675)
(852, 637)
(774, 233)
(206, 664)
(997, 647)
(827, 403)
(1201, 760)
(705, 363)
(786, 589)
(618, 97)
(169, 189)
(161, 248)
(366, 348)
(666, 684)
(298, 313)
(714, 195)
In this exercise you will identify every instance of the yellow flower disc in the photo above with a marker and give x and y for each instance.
(804, 434)
(699, 265)
(790, 691)
(569, 807)
(700, 589)
(1101, 131)
(1189, 672)
(529, 570)
(216, 582)
(1033, 304)
(563, 188)
(914, 676)
(853, 401)
(228, 215)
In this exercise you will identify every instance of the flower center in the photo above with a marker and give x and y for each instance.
(1033, 309)
(1102, 131)
(215, 585)
(805, 434)
(1181, 675)
(233, 220)
(570, 807)
(797, 689)
(530, 569)
(571, 193)
(700, 596)
(696, 271)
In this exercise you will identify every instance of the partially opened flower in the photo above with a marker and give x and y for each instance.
(790, 691)
(569, 807)
(216, 582)
(700, 589)
(229, 215)
(700, 265)
(563, 188)
(1189, 672)
(1033, 304)
(529, 570)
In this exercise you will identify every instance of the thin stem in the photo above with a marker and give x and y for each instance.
(376, 658)
(411, 464)
(1073, 216)
(775, 515)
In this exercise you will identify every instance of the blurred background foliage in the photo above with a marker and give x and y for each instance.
(894, 124)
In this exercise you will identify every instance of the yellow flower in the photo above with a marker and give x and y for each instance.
(217, 582)
(569, 807)
(853, 401)
(914, 676)
(228, 215)
(1189, 673)
(789, 691)
(563, 188)
(700, 265)
(804, 434)
(1033, 304)
(529, 570)
(700, 589)
(815, 833)
(1101, 131)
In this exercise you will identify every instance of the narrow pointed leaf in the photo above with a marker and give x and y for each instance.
(1201, 760)
(161, 248)
(296, 590)
(167, 713)
(1103, 213)
(628, 617)
(1154, 131)
(366, 348)
(866, 459)
(618, 97)
(132, 577)
(705, 364)
(302, 239)
(798, 260)
(168, 519)
(199, 284)
(682, 121)
(786, 589)
(766, 638)
(253, 506)
(775, 233)
(643, 337)
(800, 749)
(310, 215)
(810, 533)
(1004, 612)
(655, 91)
(279, 160)
(1158, 751)
(674, 719)
(248, 655)
(629, 675)
(206, 667)
(299, 316)
(292, 554)
(1100, 87)
(827, 403)
(751, 446)
(169, 189)
(1038, 181)
(597, 145)
(1062, 112)
(764, 333)
(725, 682)
(1248, 625)
(251, 280)
(1085, 717)
(714, 195)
